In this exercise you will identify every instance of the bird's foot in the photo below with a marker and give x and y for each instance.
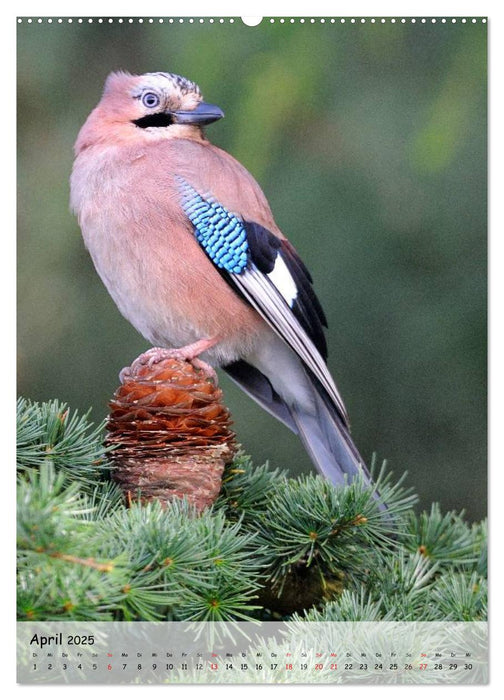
(188, 353)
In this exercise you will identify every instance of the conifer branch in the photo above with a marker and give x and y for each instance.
(270, 547)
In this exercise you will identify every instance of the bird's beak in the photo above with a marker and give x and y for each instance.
(204, 113)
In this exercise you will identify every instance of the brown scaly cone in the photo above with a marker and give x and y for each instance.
(171, 433)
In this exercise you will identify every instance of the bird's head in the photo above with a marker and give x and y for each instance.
(150, 106)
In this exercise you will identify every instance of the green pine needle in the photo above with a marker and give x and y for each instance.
(271, 546)
(443, 538)
(50, 432)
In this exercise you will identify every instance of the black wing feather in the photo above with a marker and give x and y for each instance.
(306, 307)
(264, 248)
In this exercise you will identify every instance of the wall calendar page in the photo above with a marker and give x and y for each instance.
(252, 303)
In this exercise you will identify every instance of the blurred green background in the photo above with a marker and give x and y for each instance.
(370, 143)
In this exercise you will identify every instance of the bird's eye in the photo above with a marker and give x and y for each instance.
(150, 99)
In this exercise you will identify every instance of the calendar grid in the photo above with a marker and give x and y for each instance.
(263, 652)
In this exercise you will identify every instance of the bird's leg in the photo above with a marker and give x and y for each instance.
(188, 352)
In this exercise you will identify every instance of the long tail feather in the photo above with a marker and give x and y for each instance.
(282, 385)
(328, 441)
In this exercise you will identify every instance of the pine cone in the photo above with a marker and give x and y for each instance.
(171, 433)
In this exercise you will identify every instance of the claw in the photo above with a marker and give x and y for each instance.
(188, 353)
(208, 369)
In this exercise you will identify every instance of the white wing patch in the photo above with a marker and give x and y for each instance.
(266, 298)
(283, 280)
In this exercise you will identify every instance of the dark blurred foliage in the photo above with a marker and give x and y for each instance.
(370, 143)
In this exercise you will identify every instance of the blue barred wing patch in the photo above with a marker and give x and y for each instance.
(221, 234)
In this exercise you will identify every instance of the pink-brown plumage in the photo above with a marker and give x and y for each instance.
(127, 202)
(141, 150)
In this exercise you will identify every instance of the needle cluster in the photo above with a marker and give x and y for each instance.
(270, 547)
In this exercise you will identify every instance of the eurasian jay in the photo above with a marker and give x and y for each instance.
(185, 242)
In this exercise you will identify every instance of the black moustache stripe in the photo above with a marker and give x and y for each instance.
(159, 119)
